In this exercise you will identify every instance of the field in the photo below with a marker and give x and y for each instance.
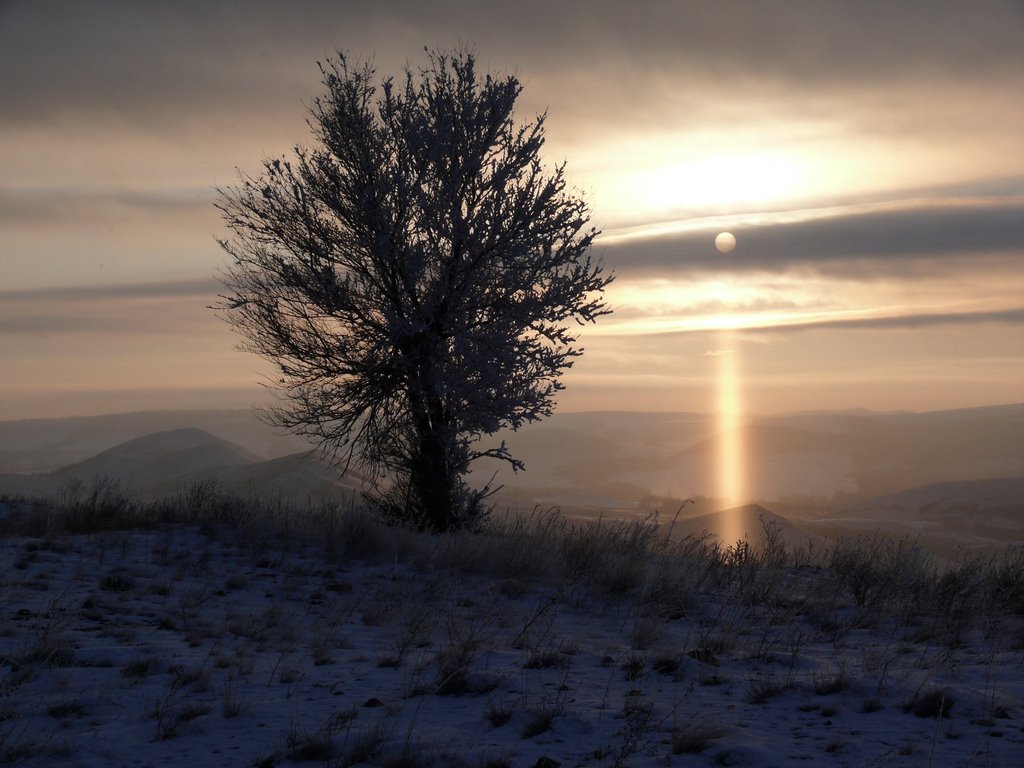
(204, 631)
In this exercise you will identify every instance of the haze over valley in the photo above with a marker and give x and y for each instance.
(945, 479)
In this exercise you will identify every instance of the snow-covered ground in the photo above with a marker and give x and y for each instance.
(188, 648)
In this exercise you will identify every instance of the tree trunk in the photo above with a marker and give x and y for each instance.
(432, 477)
(433, 482)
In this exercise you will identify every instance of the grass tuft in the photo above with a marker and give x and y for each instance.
(934, 703)
(695, 737)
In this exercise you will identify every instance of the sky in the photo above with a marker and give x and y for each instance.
(868, 157)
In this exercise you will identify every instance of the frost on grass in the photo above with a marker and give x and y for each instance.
(253, 639)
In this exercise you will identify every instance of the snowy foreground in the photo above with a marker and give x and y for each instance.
(178, 646)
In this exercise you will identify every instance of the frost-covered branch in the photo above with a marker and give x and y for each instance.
(415, 276)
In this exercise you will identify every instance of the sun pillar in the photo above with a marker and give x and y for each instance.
(731, 470)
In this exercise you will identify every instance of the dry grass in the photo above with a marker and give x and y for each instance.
(610, 558)
(695, 737)
(738, 604)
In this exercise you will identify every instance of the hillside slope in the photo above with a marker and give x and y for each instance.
(159, 457)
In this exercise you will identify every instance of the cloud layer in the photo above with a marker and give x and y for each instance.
(898, 253)
(123, 56)
(877, 242)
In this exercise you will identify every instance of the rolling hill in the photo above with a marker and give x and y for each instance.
(158, 458)
(298, 477)
(812, 467)
(166, 463)
(747, 522)
(45, 445)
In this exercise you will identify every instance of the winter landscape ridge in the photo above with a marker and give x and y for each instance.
(190, 589)
(951, 479)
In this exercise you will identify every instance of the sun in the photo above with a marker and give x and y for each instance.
(725, 242)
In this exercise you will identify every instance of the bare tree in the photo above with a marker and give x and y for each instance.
(413, 277)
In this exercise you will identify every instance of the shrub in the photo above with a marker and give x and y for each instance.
(694, 737)
(825, 685)
(934, 703)
(764, 688)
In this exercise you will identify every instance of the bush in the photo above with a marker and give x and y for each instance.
(934, 703)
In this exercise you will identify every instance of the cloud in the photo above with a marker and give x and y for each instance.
(123, 58)
(195, 287)
(753, 324)
(21, 206)
(867, 244)
(1014, 316)
(173, 307)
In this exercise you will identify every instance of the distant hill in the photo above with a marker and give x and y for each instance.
(747, 522)
(962, 505)
(854, 453)
(769, 438)
(599, 461)
(944, 517)
(299, 477)
(780, 460)
(44, 445)
(159, 458)
(29, 486)
(1002, 497)
(166, 463)
(900, 451)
